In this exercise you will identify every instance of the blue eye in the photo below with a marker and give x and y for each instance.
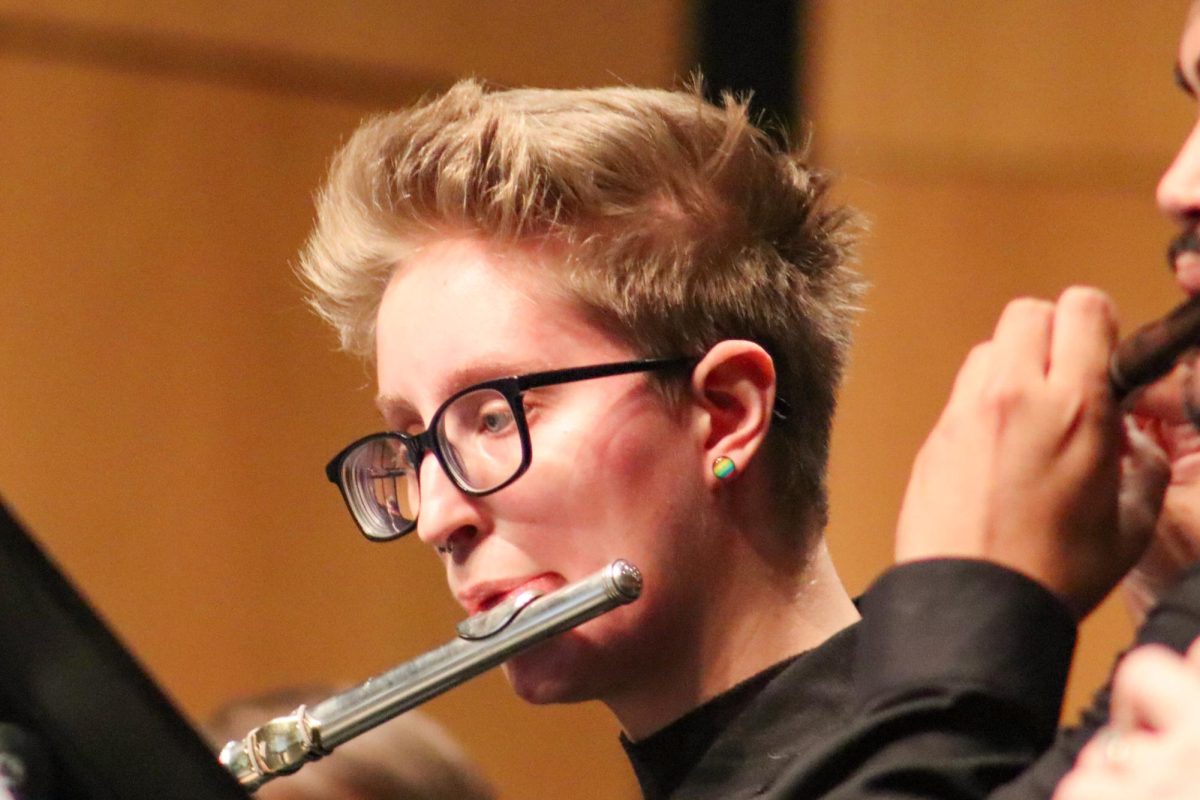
(496, 421)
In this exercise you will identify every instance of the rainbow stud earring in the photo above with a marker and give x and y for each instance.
(723, 467)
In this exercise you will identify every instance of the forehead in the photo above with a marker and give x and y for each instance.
(464, 310)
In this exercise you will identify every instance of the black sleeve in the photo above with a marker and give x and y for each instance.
(959, 676)
(1174, 622)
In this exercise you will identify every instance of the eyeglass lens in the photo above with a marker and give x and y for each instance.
(480, 446)
(381, 487)
(478, 437)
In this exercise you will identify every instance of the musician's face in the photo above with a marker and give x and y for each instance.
(616, 471)
(1179, 189)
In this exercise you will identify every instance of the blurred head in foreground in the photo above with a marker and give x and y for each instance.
(408, 758)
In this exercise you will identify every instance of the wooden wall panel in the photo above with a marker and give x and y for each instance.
(1020, 89)
(169, 400)
(547, 43)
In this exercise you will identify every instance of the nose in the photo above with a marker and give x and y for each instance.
(447, 517)
(1179, 188)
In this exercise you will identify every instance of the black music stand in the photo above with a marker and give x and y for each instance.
(105, 730)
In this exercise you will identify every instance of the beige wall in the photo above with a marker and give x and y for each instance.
(169, 402)
(1000, 148)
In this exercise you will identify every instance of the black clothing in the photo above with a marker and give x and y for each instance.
(1174, 622)
(663, 760)
(948, 687)
(801, 706)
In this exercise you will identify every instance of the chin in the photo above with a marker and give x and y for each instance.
(562, 670)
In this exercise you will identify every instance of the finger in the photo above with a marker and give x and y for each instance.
(1092, 757)
(1083, 337)
(1145, 469)
(1153, 688)
(1086, 784)
(1164, 400)
(1021, 341)
(1145, 475)
(1115, 750)
(972, 374)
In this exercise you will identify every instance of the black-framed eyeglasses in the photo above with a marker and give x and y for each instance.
(479, 436)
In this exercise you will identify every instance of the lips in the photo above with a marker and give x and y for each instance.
(1183, 448)
(1180, 442)
(479, 597)
(1187, 272)
(1183, 255)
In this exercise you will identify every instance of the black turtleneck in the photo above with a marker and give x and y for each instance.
(662, 760)
(950, 686)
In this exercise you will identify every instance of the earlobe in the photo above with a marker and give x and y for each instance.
(735, 387)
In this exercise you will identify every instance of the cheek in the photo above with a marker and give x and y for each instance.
(641, 492)
(606, 494)
(631, 467)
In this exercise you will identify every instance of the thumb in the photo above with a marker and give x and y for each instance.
(1164, 400)
(1145, 473)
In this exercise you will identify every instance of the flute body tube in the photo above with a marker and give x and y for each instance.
(484, 640)
(1152, 350)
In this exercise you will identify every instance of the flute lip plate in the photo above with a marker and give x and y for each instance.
(489, 623)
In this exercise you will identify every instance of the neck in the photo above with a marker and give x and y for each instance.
(763, 605)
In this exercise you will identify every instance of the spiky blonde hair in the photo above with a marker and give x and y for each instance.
(682, 223)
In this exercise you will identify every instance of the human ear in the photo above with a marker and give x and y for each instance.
(734, 387)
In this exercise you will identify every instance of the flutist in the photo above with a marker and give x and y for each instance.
(611, 324)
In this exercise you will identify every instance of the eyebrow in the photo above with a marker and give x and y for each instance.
(392, 407)
(1181, 80)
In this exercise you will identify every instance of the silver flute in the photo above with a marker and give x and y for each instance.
(484, 640)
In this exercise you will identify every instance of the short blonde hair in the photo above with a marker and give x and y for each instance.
(683, 224)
